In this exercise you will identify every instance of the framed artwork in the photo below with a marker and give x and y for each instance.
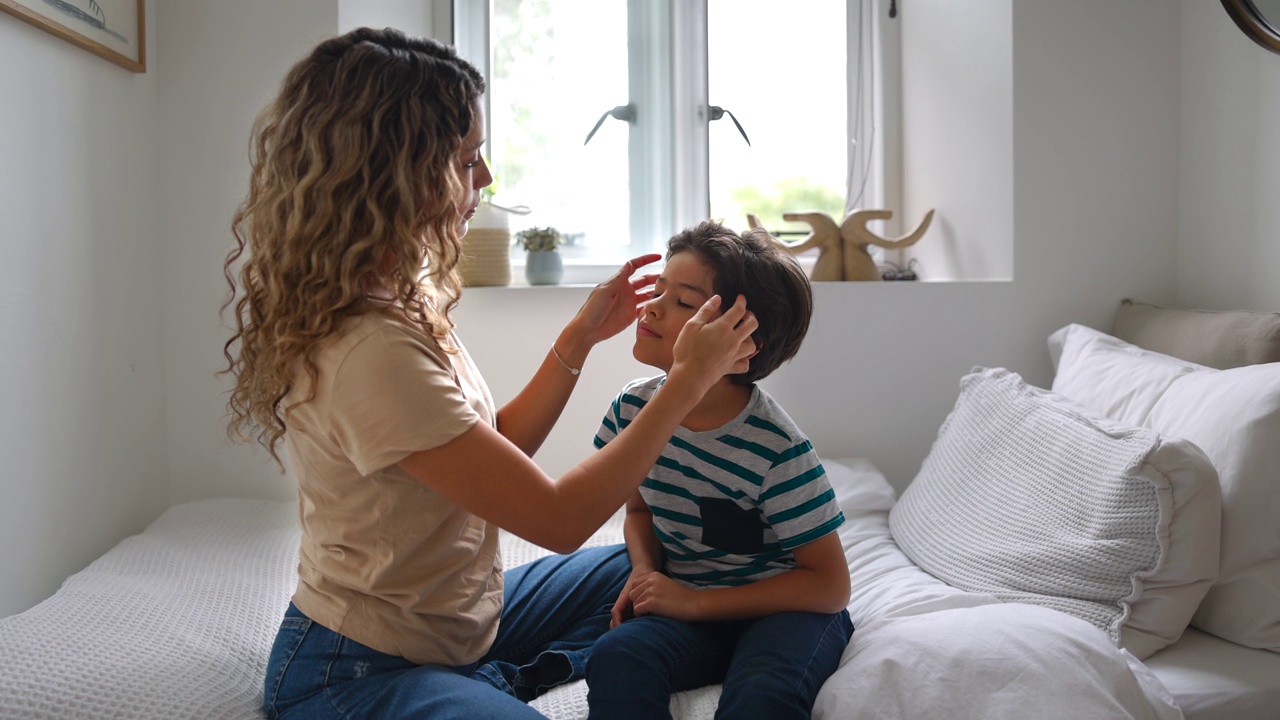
(114, 29)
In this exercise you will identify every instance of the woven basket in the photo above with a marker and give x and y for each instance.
(485, 257)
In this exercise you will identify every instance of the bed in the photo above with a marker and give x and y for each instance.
(976, 594)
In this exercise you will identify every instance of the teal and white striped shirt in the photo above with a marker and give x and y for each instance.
(729, 505)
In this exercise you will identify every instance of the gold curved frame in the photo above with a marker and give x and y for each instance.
(1258, 28)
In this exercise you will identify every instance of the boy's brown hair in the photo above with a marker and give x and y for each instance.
(777, 291)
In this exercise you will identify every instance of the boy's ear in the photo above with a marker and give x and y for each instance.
(756, 341)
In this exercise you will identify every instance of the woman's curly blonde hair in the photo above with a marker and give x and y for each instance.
(354, 186)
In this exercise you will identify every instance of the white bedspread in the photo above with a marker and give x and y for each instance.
(173, 623)
(177, 622)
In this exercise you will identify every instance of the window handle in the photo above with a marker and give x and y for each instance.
(716, 112)
(622, 112)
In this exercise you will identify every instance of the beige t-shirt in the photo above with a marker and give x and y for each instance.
(384, 560)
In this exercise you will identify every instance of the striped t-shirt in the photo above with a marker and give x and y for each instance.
(729, 505)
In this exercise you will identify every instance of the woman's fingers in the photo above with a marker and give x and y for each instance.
(746, 350)
(742, 321)
(640, 261)
(708, 312)
(715, 344)
(629, 267)
(615, 303)
(643, 281)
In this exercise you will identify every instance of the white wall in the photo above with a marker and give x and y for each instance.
(416, 17)
(957, 130)
(1229, 216)
(219, 65)
(1095, 102)
(82, 430)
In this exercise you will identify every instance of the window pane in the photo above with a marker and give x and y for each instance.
(557, 65)
(780, 68)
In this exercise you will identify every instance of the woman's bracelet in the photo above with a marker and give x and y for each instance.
(572, 370)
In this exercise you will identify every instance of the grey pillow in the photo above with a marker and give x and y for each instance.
(1217, 339)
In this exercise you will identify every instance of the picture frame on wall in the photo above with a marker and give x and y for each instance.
(113, 29)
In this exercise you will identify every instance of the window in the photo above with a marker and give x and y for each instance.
(693, 108)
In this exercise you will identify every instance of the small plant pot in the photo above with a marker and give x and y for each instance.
(543, 267)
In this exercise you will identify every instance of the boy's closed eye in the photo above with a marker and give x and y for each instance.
(679, 302)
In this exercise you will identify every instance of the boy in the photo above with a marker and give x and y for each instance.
(737, 573)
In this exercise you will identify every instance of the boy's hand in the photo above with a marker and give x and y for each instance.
(656, 594)
(622, 609)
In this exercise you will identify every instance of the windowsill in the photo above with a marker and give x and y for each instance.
(576, 274)
(588, 274)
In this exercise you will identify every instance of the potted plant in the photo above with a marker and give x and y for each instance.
(543, 265)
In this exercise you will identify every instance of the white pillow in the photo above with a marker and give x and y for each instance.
(1004, 661)
(1234, 417)
(859, 486)
(1030, 498)
(1110, 376)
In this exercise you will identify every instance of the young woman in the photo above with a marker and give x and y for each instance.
(365, 171)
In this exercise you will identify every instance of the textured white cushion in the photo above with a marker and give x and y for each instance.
(1234, 417)
(1027, 496)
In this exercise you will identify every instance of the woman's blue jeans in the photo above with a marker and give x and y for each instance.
(554, 609)
(772, 667)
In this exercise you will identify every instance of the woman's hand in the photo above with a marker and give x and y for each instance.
(710, 347)
(614, 304)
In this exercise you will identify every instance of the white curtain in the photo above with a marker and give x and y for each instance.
(866, 73)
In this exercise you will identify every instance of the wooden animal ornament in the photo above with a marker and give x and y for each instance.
(825, 236)
(843, 249)
(858, 263)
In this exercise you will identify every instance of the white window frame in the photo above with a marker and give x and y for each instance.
(668, 146)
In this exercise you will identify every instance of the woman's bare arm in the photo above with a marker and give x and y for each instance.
(488, 475)
(612, 307)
